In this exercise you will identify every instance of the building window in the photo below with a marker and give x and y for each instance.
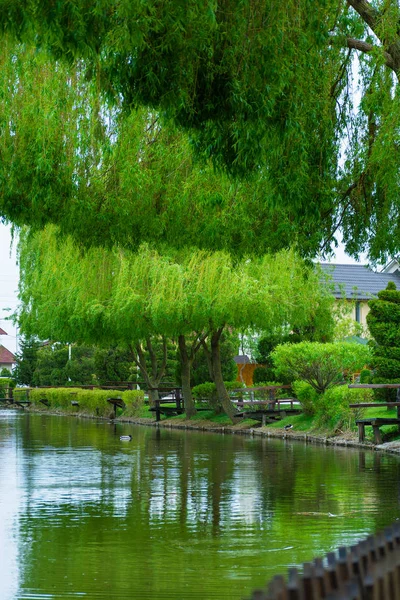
(358, 312)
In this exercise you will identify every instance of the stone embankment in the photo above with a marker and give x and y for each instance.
(344, 440)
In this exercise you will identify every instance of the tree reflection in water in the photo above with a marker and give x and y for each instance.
(175, 514)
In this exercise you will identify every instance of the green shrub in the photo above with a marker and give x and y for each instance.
(385, 334)
(134, 400)
(320, 365)
(91, 402)
(333, 410)
(6, 383)
(365, 376)
(306, 395)
(204, 391)
(262, 374)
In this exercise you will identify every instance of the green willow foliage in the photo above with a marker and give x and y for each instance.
(104, 104)
(107, 178)
(116, 295)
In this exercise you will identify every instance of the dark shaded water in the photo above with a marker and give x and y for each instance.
(173, 514)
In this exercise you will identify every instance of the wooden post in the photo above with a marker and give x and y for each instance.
(377, 434)
(361, 432)
(398, 407)
(158, 413)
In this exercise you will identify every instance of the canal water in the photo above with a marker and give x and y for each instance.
(173, 514)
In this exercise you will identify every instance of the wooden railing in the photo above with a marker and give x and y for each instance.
(369, 570)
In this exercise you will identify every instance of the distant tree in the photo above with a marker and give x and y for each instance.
(112, 364)
(26, 360)
(384, 325)
(53, 366)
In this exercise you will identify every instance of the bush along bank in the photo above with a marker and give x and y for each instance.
(86, 402)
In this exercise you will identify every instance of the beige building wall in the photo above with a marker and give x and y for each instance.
(361, 313)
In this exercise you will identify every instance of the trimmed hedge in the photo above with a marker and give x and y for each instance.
(384, 324)
(91, 402)
(385, 312)
(385, 334)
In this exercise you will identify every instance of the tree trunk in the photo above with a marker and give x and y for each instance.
(214, 402)
(223, 395)
(186, 363)
(153, 395)
(152, 380)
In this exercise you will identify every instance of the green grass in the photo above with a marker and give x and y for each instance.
(300, 422)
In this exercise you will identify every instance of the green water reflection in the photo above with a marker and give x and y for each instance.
(173, 514)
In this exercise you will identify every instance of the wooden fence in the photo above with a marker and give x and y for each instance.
(369, 570)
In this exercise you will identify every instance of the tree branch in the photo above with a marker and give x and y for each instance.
(365, 47)
(368, 13)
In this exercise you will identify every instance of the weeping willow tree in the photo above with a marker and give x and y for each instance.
(69, 296)
(130, 298)
(263, 91)
(104, 176)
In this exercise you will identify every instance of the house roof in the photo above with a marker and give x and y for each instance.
(6, 357)
(241, 359)
(358, 282)
(392, 266)
(2, 332)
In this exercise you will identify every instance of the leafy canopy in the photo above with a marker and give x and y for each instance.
(114, 294)
(264, 91)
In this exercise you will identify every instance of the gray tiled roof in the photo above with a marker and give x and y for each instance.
(358, 281)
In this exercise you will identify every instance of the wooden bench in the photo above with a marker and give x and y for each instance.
(376, 422)
(22, 403)
(117, 403)
(168, 411)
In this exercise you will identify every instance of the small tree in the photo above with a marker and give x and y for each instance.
(384, 324)
(320, 365)
(26, 360)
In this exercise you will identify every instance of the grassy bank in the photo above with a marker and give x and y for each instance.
(302, 424)
(93, 403)
(334, 421)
